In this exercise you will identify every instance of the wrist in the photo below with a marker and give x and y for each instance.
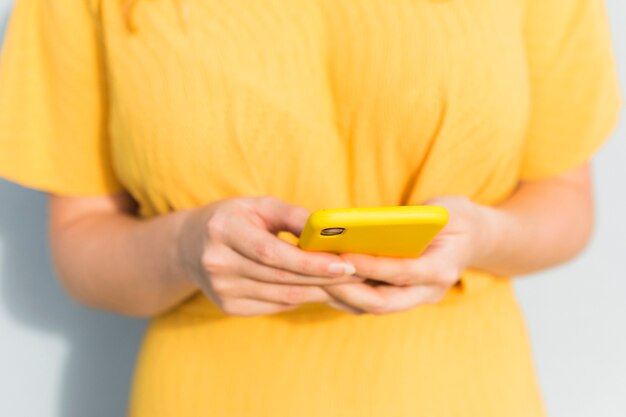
(184, 242)
(491, 228)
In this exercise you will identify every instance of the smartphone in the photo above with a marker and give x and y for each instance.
(400, 231)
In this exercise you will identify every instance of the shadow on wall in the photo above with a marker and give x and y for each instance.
(103, 347)
(5, 11)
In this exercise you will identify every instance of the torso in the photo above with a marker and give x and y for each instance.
(326, 103)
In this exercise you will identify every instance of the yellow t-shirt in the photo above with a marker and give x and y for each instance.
(323, 103)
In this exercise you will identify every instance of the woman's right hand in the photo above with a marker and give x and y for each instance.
(230, 250)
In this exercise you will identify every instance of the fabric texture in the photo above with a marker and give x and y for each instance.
(323, 103)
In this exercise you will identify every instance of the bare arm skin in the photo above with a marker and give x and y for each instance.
(107, 258)
(543, 223)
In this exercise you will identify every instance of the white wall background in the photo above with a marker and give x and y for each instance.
(57, 359)
(60, 360)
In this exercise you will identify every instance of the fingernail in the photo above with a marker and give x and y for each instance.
(341, 268)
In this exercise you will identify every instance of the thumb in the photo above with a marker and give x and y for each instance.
(279, 215)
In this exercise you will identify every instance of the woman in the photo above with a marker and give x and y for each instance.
(184, 143)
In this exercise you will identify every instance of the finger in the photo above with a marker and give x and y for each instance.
(388, 298)
(225, 261)
(279, 215)
(434, 267)
(252, 269)
(396, 271)
(248, 307)
(344, 307)
(263, 247)
(277, 293)
(358, 296)
(406, 298)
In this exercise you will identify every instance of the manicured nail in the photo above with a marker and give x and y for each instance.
(341, 268)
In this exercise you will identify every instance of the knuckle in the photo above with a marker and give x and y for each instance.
(264, 252)
(216, 226)
(281, 276)
(212, 262)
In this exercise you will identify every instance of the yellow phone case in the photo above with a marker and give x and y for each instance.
(401, 231)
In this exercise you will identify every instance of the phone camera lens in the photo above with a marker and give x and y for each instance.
(332, 231)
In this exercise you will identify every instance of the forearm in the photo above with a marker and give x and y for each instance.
(121, 263)
(543, 224)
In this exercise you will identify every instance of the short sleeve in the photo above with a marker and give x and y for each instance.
(575, 98)
(53, 134)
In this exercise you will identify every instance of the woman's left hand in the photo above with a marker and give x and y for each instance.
(396, 284)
